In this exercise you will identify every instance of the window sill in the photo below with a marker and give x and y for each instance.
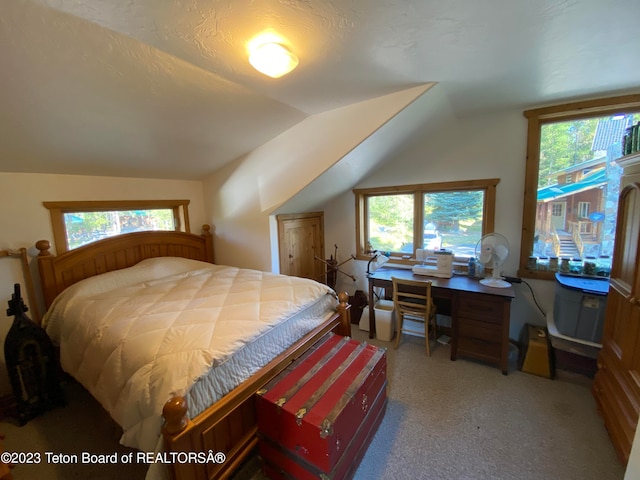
(537, 275)
(459, 264)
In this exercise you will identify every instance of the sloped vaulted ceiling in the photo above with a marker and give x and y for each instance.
(82, 98)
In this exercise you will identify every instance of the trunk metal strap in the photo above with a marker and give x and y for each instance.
(307, 376)
(317, 395)
(327, 423)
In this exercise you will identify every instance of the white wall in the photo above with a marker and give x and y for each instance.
(487, 146)
(633, 467)
(25, 220)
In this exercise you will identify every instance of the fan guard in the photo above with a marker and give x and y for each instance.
(493, 250)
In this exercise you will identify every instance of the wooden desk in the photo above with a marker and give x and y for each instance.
(480, 315)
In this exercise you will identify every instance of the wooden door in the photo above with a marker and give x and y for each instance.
(617, 382)
(625, 281)
(301, 240)
(558, 215)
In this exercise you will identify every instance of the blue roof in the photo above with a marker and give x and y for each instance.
(552, 192)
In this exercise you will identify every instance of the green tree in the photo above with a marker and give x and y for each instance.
(81, 225)
(563, 145)
(448, 208)
(391, 209)
(84, 227)
(393, 213)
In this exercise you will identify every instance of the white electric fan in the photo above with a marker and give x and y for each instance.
(492, 251)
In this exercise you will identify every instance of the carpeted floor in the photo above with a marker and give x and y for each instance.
(444, 420)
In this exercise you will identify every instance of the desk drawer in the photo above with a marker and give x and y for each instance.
(474, 329)
(477, 348)
(481, 308)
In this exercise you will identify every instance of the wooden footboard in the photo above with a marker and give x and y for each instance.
(229, 426)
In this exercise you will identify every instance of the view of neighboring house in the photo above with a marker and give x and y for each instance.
(576, 216)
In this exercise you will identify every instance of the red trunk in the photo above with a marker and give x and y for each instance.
(319, 416)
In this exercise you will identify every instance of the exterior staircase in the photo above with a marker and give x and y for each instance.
(567, 245)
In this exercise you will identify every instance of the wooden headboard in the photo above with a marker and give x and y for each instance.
(58, 272)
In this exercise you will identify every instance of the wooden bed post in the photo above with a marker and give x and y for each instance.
(208, 240)
(175, 415)
(47, 272)
(344, 309)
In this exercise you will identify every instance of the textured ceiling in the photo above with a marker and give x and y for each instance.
(162, 88)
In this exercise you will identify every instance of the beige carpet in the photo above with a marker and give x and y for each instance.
(445, 420)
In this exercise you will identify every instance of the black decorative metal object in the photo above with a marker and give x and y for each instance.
(31, 363)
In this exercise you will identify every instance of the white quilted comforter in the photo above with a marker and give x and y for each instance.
(136, 337)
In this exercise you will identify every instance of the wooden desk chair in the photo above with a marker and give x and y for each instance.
(412, 298)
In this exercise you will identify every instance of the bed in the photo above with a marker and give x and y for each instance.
(193, 419)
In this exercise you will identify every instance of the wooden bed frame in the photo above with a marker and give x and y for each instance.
(227, 426)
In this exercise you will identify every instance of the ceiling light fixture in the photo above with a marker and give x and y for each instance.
(273, 59)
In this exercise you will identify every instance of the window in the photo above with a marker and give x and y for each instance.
(583, 209)
(79, 223)
(401, 219)
(579, 140)
(557, 209)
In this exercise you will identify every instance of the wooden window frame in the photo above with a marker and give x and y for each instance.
(582, 206)
(536, 119)
(58, 209)
(418, 190)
